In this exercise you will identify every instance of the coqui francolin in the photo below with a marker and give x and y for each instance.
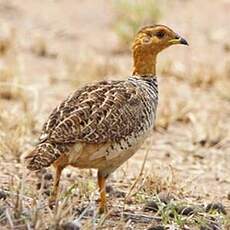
(102, 125)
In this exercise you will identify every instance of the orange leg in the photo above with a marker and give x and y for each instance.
(101, 183)
(53, 196)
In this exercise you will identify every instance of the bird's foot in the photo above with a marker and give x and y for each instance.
(52, 202)
(103, 209)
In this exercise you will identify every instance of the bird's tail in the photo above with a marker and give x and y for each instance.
(43, 155)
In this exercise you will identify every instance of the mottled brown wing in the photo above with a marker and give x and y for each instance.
(106, 111)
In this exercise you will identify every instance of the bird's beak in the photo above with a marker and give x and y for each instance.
(178, 40)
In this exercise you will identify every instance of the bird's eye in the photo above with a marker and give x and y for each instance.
(160, 34)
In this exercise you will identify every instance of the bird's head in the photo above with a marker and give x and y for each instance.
(156, 38)
(151, 40)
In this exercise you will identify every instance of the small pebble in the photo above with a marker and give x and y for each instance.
(88, 213)
(68, 175)
(227, 47)
(47, 192)
(167, 154)
(45, 185)
(202, 142)
(119, 194)
(129, 200)
(157, 227)
(216, 206)
(48, 176)
(71, 226)
(210, 226)
(38, 185)
(166, 197)
(151, 206)
(171, 214)
(228, 196)
(116, 193)
(109, 189)
(187, 211)
(2, 210)
(41, 172)
(3, 195)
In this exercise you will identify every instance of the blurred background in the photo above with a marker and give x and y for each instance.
(49, 48)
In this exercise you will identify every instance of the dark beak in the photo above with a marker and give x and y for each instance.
(183, 41)
(178, 40)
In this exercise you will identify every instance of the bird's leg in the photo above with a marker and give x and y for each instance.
(101, 183)
(53, 196)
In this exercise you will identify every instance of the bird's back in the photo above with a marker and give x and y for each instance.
(114, 112)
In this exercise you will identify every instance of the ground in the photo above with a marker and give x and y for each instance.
(50, 48)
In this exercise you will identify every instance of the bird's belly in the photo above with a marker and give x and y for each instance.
(105, 156)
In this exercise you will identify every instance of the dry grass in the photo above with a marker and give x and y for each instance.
(187, 164)
(96, 70)
(140, 13)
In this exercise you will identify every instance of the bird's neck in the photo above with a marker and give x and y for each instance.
(144, 63)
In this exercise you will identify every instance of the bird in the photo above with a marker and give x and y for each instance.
(102, 124)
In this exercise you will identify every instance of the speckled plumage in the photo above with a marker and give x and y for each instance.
(114, 112)
(102, 125)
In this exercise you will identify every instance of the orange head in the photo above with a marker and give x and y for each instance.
(149, 41)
